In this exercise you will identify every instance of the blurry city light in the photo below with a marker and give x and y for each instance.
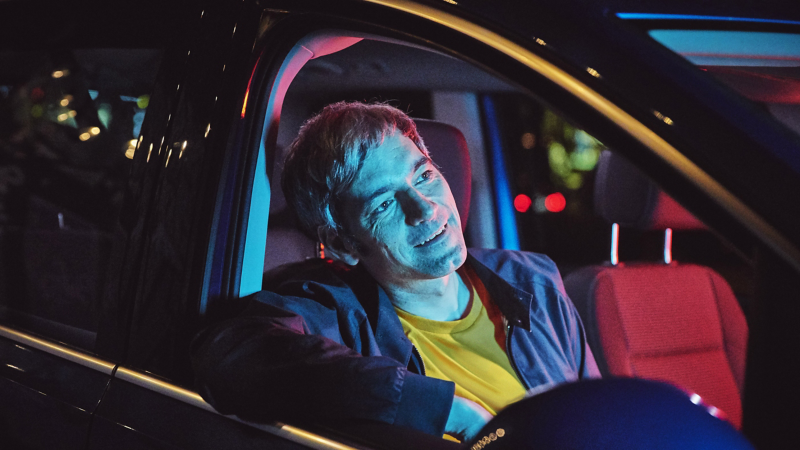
(452, 2)
(522, 202)
(585, 159)
(169, 153)
(131, 150)
(72, 113)
(540, 41)
(59, 73)
(66, 100)
(528, 141)
(593, 72)
(663, 118)
(559, 160)
(183, 147)
(143, 101)
(573, 181)
(149, 152)
(104, 114)
(208, 130)
(85, 136)
(62, 117)
(555, 202)
(138, 119)
(37, 111)
(95, 131)
(37, 94)
(93, 94)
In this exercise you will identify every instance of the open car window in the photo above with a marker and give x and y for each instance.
(533, 169)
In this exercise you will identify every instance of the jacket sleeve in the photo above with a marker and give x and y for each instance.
(587, 365)
(264, 365)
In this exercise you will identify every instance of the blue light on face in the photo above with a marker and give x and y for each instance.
(649, 16)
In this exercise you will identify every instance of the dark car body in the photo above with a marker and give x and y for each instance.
(178, 256)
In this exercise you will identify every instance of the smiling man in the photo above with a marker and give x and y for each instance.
(406, 327)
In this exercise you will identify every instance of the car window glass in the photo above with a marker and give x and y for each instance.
(69, 123)
(763, 67)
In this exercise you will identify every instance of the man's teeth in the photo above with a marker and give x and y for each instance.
(437, 234)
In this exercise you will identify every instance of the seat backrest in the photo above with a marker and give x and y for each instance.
(672, 322)
(448, 149)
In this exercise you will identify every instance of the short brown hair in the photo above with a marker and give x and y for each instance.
(329, 151)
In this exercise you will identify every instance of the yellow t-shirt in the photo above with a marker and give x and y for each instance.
(469, 351)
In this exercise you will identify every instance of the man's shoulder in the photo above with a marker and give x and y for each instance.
(520, 268)
(332, 283)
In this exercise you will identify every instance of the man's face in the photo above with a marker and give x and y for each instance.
(402, 216)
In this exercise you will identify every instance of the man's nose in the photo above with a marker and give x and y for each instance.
(418, 208)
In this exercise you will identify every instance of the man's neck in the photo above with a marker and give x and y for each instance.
(442, 299)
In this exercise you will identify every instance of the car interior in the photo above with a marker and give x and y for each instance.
(661, 294)
(531, 179)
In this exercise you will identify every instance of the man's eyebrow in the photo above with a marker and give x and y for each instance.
(424, 159)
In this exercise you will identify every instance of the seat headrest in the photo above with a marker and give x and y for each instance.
(448, 149)
(624, 195)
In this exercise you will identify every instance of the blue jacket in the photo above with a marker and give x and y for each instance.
(327, 344)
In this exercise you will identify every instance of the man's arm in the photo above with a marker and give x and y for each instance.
(263, 366)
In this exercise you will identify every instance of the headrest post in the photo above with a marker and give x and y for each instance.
(614, 244)
(668, 246)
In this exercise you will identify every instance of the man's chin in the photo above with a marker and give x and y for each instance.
(447, 263)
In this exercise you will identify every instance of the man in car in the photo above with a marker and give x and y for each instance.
(407, 327)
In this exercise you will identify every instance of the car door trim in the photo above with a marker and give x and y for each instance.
(187, 396)
(647, 137)
(61, 351)
(285, 431)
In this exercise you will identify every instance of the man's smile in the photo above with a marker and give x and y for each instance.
(433, 236)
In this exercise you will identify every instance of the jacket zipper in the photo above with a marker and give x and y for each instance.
(509, 330)
(419, 358)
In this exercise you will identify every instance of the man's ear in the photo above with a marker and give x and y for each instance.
(337, 247)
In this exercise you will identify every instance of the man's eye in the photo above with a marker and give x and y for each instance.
(383, 206)
(427, 175)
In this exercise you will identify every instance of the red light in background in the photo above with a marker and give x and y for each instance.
(37, 94)
(522, 202)
(554, 202)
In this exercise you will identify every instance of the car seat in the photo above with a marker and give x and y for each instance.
(667, 321)
(448, 149)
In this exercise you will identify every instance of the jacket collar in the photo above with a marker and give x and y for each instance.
(515, 304)
(389, 334)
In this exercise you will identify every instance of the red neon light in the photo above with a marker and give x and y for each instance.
(522, 202)
(249, 82)
(555, 202)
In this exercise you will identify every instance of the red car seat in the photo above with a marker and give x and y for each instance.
(667, 321)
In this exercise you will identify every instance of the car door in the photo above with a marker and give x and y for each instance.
(72, 106)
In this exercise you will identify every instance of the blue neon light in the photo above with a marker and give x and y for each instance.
(507, 221)
(649, 16)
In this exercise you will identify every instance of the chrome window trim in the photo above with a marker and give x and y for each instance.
(287, 432)
(669, 154)
(61, 351)
(192, 398)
